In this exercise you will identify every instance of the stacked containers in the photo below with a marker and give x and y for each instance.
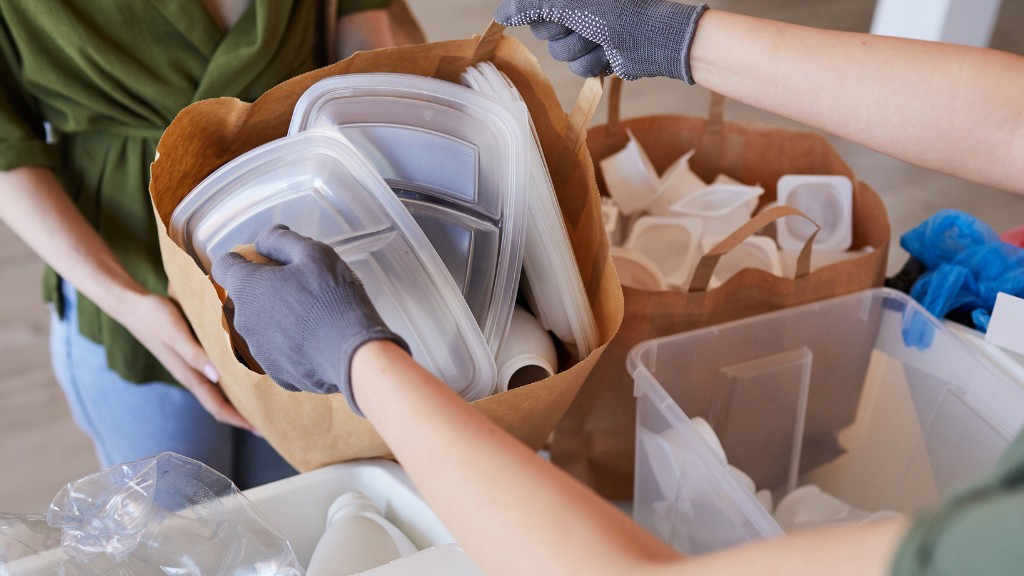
(829, 393)
(320, 186)
(457, 159)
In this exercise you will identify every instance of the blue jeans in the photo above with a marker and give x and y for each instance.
(128, 421)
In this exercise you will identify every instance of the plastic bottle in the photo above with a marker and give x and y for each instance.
(357, 539)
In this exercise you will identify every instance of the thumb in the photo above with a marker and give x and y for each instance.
(518, 12)
(228, 269)
(185, 345)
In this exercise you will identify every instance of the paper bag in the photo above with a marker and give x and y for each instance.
(595, 441)
(311, 430)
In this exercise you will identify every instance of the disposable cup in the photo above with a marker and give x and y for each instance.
(678, 182)
(636, 271)
(758, 252)
(828, 200)
(630, 178)
(672, 244)
(721, 208)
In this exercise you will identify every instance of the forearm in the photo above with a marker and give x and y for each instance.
(513, 512)
(953, 109)
(366, 30)
(41, 214)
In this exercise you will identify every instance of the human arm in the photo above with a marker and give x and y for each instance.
(953, 109)
(364, 30)
(37, 209)
(512, 511)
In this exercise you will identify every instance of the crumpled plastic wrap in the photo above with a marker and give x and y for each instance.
(967, 265)
(166, 515)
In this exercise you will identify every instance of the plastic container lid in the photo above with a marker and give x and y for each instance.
(828, 200)
(318, 184)
(552, 282)
(449, 145)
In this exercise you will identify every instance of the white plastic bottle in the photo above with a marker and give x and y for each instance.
(357, 539)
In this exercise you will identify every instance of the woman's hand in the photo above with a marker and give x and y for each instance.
(158, 324)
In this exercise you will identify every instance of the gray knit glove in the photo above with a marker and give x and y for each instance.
(304, 319)
(633, 38)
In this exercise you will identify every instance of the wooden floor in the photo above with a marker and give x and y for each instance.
(41, 449)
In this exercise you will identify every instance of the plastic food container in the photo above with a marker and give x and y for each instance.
(636, 270)
(828, 200)
(721, 208)
(446, 144)
(553, 283)
(758, 252)
(320, 186)
(827, 394)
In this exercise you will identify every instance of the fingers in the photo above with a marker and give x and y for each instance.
(208, 394)
(593, 63)
(517, 12)
(187, 348)
(229, 268)
(280, 243)
(549, 31)
(571, 47)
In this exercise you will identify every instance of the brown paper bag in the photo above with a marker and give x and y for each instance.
(208, 134)
(595, 440)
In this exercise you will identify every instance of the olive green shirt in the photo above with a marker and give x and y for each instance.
(978, 532)
(108, 76)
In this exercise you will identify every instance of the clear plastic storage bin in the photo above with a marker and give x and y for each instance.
(829, 393)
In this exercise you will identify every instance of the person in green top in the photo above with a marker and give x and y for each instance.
(952, 108)
(86, 90)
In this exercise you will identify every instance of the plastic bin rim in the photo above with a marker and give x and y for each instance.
(635, 362)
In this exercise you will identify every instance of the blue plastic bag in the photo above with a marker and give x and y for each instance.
(967, 263)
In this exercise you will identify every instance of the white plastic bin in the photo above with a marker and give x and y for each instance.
(828, 393)
(297, 506)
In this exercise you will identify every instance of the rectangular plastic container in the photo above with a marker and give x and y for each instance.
(867, 395)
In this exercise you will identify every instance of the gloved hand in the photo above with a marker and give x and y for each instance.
(634, 38)
(305, 319)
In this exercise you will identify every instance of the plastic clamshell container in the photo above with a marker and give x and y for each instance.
(553, 283)
(828, 393)
(317, 184)
(448, 144)
(672, 244)
(828, 200)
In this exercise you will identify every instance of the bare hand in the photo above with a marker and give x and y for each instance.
(159, 325)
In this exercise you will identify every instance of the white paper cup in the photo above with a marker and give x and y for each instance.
(828, 200)
(630, 178)
(527, 354)
(672, 244)
(636, 270)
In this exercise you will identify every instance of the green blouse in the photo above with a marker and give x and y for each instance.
(105, 78)
(978, 532)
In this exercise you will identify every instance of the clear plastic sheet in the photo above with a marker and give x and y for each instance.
(163, 515)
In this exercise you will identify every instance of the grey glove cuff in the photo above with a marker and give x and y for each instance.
(660, 36)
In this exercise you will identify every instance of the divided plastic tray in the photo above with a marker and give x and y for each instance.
(440, 143)
(320, 186)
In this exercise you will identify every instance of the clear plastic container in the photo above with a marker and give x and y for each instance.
(447, 144)
(553, 283)
(827, 394)
(317, 184)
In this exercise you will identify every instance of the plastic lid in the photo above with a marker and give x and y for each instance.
(318, 184)
(447, 143)
(553, 283)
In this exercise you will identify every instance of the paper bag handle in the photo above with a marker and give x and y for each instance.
(716, 109)
(706, 266)
(582, 113)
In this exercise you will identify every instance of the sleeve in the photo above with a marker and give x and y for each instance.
(346, 7)
(22, 140)
(978, 532)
